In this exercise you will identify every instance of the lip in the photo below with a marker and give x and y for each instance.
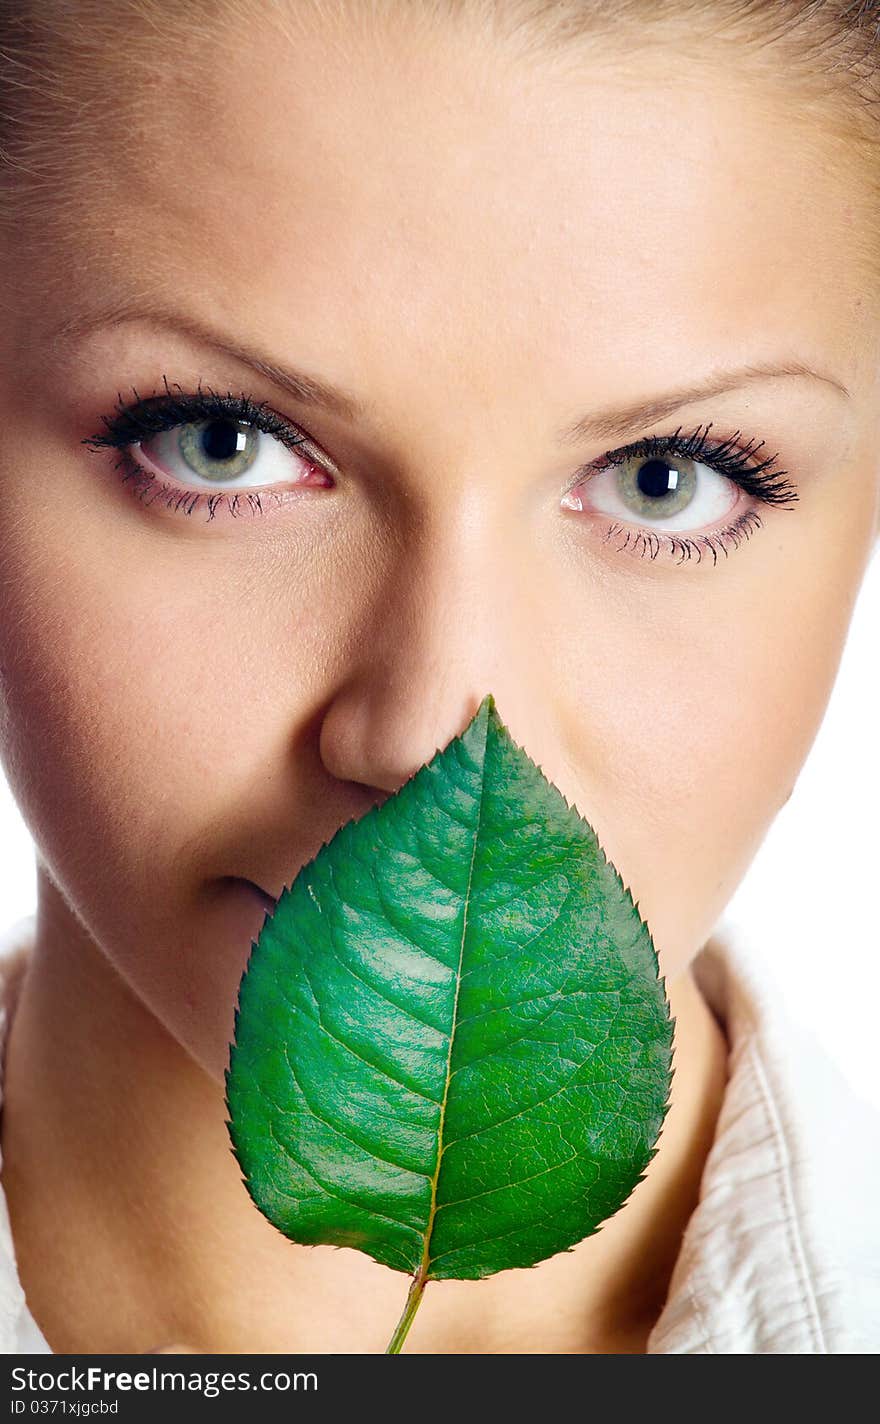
(267, 901)
(235, 910)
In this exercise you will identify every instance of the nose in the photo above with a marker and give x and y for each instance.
(383, 743)
(457, 621)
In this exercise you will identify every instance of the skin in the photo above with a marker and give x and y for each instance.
(481, 247)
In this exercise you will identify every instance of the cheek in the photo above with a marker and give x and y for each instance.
(143, 715)
(691, 741)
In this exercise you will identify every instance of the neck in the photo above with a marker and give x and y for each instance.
(133, 1229)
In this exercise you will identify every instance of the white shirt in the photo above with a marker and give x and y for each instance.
(782, 1254)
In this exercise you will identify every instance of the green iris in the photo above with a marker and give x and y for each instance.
(218, 449)
(655, 488)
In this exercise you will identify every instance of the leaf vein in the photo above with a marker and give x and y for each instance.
(521, 1226)
(319, 1022)
(529, 1107)
(328, 1191)
(369, 1152)
(380, 993)
(511, 1186)
(441, 1146)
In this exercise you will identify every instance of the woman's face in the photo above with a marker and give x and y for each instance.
(489, 272)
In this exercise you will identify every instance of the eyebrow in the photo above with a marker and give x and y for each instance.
(607, 424)
(303, 387)
(612, 423)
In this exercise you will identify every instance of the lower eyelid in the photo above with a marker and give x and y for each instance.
(640, 541)
(154, 489)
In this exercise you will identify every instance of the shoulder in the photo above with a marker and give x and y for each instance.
(19, 1332)
(782, 1254)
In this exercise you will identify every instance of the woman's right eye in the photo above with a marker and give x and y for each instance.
(220, 453)
(189, 449)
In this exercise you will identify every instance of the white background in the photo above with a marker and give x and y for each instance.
(810, 895)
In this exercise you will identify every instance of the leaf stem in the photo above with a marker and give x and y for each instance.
(413, 1300)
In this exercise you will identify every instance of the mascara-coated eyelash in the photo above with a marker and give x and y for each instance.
(761, 479)
(153, 415)
(689, 546)
(134, 423)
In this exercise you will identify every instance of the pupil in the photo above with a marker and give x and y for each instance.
(220, 440)
(653, 478)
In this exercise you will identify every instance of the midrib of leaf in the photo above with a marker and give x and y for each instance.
(420, 1278)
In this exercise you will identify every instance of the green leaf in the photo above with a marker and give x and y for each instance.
(452, 1043)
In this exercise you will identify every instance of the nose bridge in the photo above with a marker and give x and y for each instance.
(453, 622)
(462, 605)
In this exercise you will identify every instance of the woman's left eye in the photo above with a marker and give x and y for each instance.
(668, 488)
(672, 492)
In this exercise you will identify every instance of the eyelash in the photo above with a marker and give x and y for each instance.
(761, 479)
(152, 415)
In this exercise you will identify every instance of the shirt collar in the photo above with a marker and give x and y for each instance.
(778, 1256)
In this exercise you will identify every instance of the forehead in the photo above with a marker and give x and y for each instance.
(450, 209)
